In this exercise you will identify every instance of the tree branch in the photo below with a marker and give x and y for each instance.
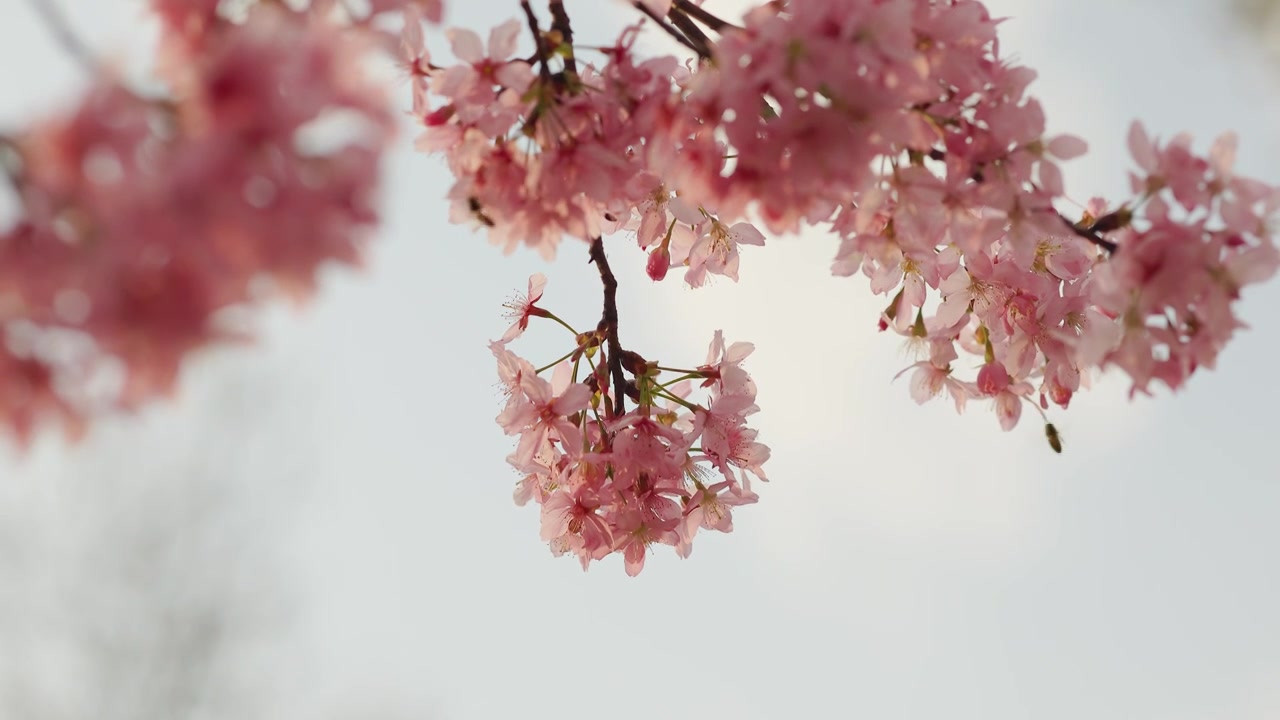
(693, 32)
(698, 13)
(1090, 234)
(541, 47)
(669, 28)
(560, 23)
(609, 324)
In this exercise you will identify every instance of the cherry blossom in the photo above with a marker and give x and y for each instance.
(896, 127)
(615, 481)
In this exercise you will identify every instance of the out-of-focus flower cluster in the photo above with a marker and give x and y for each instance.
(1163, 305)
(618, 482)
(142, 218)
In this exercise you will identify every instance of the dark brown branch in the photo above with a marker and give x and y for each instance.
(609, 324)
(668, 28)
(560, 23)
(1088, 233)
(538, 41)
(698, 13)
(693, 32)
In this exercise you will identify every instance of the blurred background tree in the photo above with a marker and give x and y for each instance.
(140, 580)
(1261, 18)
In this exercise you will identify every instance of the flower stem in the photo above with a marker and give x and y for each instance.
(567, 326)
(679, 379)
(687, 405)
(557, 361)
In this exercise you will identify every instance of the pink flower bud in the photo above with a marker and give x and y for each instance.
(992, 378)
(659, 263)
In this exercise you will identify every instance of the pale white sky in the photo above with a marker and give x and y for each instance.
(904, 562)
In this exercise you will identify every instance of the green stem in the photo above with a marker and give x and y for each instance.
(594, 411)
(688, 405)
(565, 324)
(679, 379)
(557, 361)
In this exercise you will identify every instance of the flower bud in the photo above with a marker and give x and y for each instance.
(659, 263)
(992, 378)
(1055, 440)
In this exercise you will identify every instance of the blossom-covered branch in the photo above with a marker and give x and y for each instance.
(894, 125)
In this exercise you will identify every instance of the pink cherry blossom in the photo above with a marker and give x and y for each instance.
(522, 307)
(723, 370)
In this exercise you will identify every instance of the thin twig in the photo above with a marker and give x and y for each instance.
(698, 13)
(560, 23)
(541, 46)
(667, 27)
(53, 18)
(609, 324)
(692, 31)
(1088, 233)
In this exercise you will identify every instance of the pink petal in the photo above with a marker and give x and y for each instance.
(1050, 178)
(1222, 156)
(1008, 410)
(738, 352)
(746, 234)
(1141, 148)
(537, 282)
(1254, 265)
(412, 43)
(502, 40)
(515, 76)
(659, 7)
(926, 383)
(1066, 147)
(434, 10)
(466, 45)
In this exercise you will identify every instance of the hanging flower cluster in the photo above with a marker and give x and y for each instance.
(617, 480)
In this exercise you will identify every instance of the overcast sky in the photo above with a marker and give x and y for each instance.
(903, 563)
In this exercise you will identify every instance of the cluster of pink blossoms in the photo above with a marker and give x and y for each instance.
(142, 218)
(611, 481)
(896, 124)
